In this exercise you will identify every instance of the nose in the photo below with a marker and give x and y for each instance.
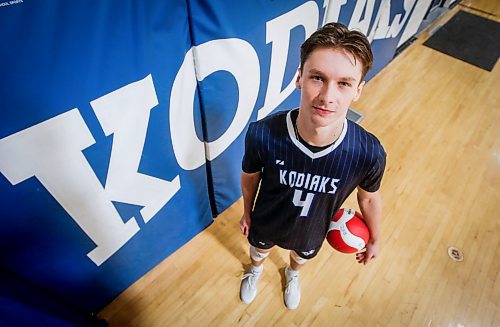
(327, 93)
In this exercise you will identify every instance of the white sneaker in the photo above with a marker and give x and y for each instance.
(248, 289)
(292, 290)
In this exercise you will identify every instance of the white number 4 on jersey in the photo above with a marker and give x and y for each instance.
(305, 204)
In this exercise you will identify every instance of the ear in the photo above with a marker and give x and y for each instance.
(358, 91)
(298, 81)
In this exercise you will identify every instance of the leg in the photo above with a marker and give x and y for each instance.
(258, 255)
(248, 289)
(296, 261)
(292, 290)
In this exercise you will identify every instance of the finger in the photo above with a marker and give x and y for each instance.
(369, 258)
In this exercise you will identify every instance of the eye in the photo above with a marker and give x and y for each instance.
(345, 84)
(317, 77)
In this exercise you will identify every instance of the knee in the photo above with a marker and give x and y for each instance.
(256, 255)
(298, 259)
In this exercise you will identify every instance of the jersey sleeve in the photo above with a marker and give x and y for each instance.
(252, 159)
(371, 182)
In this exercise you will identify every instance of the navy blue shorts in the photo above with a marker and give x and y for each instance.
(266, 245)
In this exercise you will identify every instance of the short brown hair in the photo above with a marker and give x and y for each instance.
(337, 35)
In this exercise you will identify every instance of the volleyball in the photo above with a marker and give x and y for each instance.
(348, 232)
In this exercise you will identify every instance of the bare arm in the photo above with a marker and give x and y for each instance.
(370, 204)
(249, 187)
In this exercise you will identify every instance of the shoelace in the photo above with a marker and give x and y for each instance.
(292, 284)
(252, 277)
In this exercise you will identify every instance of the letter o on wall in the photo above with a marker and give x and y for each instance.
(235, 56)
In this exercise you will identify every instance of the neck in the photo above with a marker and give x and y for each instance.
(319, 135)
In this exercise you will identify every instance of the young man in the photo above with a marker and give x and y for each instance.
(308, 160)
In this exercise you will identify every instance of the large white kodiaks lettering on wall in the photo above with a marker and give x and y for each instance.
(419, 11)
(240, 59)
(278, 33)
(125, 113)
(235, 56)
(332, 10)
(362, 15)
(382, 27)
(51, 151)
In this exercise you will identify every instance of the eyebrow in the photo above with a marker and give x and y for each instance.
(344, 78)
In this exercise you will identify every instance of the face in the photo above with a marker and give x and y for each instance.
(330, 81)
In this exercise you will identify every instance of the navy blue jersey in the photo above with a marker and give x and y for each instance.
(301, 190)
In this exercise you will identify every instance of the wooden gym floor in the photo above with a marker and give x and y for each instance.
(438, 119)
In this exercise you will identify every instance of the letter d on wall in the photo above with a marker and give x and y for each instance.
(235, 56)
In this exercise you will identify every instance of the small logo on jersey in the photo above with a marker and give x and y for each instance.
(262, 243)
(308, 252)
(280, 162)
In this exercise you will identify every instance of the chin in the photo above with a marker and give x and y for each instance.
(323, 121)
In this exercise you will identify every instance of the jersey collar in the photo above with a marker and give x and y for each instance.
(303, 148)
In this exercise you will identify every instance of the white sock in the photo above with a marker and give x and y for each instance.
(258, 269)
(290, 272)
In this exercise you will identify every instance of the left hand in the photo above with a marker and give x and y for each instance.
(370, 252)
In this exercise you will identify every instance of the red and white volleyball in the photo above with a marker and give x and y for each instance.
(348, 232)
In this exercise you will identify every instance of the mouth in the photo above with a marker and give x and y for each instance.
(323, 111)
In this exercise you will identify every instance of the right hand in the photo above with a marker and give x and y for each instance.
(245, 224)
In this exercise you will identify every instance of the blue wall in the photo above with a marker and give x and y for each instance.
(122, 123)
